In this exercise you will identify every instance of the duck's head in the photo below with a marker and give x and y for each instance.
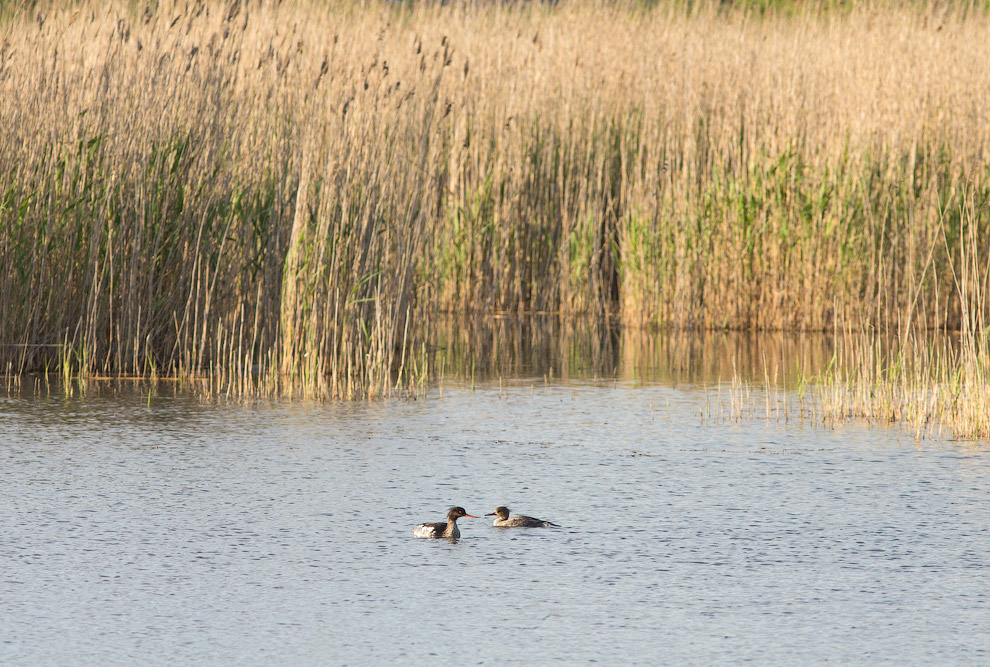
(455, 513)
(501, 512)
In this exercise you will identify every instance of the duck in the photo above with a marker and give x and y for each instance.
(443, 528)
(503, 520)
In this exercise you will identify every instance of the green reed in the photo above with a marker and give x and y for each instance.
(286, 199)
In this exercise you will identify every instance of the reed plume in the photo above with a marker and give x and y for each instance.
(285, 197)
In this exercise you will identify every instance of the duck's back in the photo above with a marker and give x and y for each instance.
(436, 529)
(430, 529)
(520, 521)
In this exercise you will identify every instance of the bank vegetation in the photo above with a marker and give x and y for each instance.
(286, 197)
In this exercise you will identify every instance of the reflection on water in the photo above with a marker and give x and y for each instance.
(487, 348)
(158, 528)
(549, 349)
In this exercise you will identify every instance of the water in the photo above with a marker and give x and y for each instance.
(172, 531)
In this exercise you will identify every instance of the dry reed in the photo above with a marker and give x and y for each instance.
(283, 197)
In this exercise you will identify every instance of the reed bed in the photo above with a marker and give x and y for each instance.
(283, 198)
(935, 389)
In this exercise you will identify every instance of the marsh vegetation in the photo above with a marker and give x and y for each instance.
(290, 197)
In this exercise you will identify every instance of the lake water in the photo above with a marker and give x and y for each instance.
(142, 530)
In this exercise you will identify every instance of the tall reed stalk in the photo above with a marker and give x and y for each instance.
(936, 386)
(283, 197)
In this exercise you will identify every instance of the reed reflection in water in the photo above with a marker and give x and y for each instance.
(538, 346)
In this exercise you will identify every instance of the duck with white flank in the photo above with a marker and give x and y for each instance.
(441, 528)
(517, 521)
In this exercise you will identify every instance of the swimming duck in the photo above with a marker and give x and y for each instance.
(517, 521)
(441, 528)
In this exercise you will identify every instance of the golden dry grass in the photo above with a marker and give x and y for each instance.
(284, 197)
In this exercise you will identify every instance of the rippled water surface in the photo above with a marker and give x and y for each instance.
(172, 531)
